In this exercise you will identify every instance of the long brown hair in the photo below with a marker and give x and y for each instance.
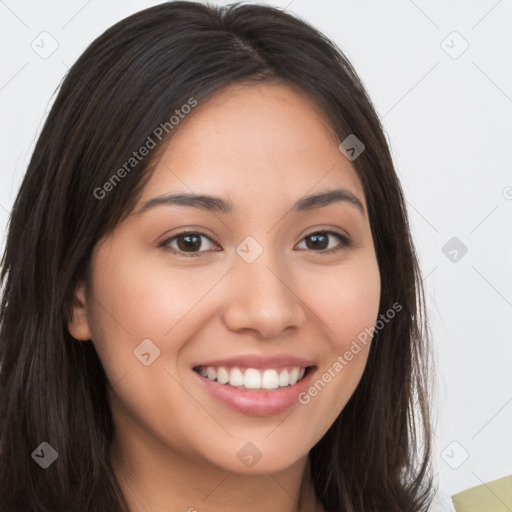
(376, 455)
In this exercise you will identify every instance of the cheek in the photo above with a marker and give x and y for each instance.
(346, 300)
(140, 299)
(358, 300)
(347, 310)
(135, 300)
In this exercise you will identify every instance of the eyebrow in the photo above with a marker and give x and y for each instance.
(219, 205)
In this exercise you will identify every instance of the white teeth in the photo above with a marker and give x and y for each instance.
(252, 378)
(236, 377)
(294, 375)
(222, 375)
(211, 373)
(284, 378)
(269, 379)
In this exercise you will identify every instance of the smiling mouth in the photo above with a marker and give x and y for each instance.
(252, 379)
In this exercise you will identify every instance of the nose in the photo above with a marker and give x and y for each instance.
(263, 298)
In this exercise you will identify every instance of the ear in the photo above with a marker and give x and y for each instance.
(79, 327)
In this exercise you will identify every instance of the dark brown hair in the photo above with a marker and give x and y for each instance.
(130, 80)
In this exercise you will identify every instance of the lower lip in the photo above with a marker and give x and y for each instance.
(257, 403)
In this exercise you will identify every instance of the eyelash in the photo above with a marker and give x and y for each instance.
(345, 242)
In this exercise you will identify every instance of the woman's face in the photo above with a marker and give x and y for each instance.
(254, 293)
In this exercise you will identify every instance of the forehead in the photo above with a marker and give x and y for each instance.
(250, 140)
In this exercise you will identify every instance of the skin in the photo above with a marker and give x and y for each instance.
(261, 147)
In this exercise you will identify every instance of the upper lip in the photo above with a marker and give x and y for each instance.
(260, 362)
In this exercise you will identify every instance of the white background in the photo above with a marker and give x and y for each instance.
(448, 122)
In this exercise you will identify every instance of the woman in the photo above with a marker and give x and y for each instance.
(211, 296)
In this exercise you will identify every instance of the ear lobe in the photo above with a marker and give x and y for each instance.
(79, 327)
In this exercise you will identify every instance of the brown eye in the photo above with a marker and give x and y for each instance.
(320, 241)
(187, 243)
